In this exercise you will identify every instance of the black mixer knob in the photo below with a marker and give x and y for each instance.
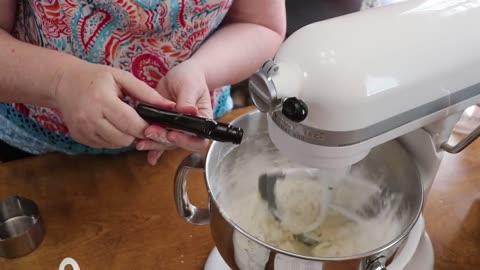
(295, 109)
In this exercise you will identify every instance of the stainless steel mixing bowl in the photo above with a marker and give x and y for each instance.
(243, 251)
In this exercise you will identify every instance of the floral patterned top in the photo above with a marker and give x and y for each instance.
(144, 37)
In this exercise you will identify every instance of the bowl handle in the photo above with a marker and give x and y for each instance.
(191, 213)
(376, 265)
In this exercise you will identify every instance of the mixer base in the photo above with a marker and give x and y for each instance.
(423, 258)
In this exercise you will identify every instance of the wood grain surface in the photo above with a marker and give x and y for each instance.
(117, 212)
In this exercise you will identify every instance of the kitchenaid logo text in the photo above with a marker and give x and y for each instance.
(298, 131)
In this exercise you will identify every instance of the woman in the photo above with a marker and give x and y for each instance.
(71, 70)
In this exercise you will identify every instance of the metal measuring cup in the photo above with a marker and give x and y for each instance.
(21, 227)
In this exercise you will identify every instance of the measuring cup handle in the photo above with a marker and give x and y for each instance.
(188, 211)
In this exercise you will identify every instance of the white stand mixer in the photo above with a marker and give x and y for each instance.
(334, 91)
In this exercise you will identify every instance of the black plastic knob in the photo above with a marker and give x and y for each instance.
(295, 109)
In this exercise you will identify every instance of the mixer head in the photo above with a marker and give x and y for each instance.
(340, 87)
(299, 139)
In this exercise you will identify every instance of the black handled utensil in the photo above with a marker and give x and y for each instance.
(202, 127)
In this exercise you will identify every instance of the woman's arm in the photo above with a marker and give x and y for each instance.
(28, 73)
(252, 33)
(7, 14)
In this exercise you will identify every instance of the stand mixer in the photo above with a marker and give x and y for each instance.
(336, 90)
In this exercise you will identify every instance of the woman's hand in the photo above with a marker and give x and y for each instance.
(251, 34)
(224, 59)
(89, 97)
(185, 85)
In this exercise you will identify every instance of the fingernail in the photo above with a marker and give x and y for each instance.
(163, 140)
(153, 160)
(158, 138)
(140, 146)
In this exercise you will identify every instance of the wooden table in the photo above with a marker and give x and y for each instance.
(118, 212)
